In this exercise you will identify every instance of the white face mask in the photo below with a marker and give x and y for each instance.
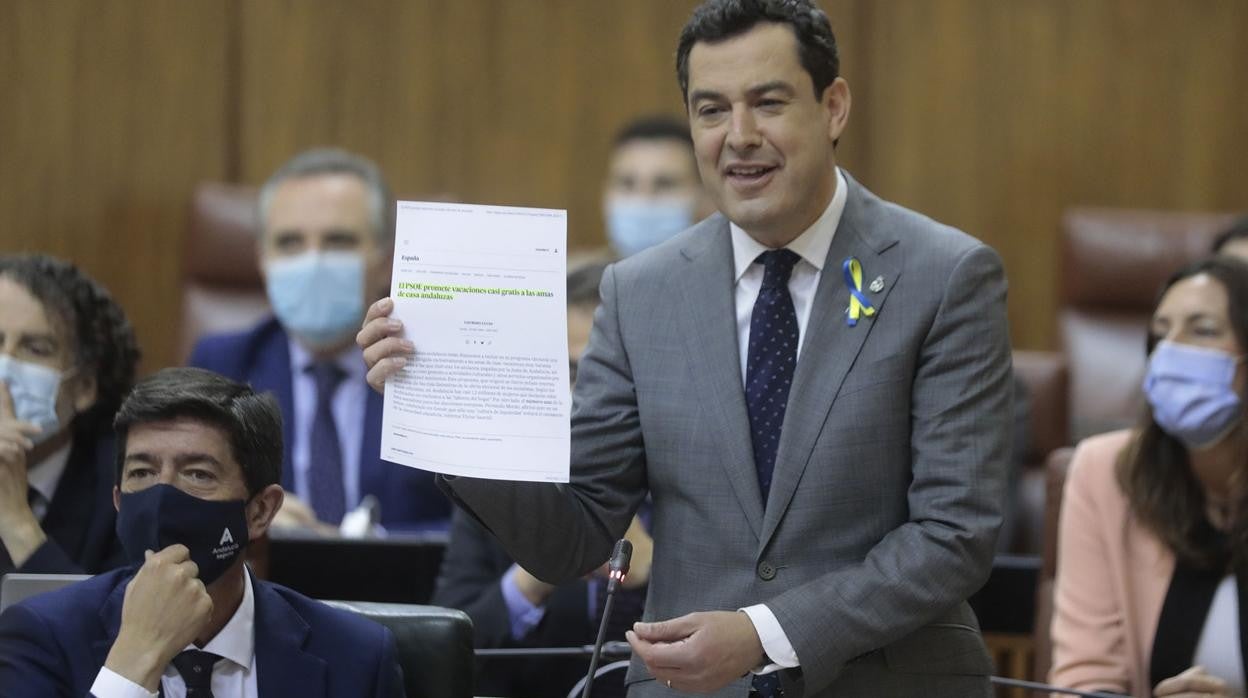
(34, 389)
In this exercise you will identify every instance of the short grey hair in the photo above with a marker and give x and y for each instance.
(335, 161)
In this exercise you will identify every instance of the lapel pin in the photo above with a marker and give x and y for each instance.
(859, 305)
(877, 284)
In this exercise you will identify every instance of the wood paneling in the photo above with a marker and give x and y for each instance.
(109, 112)
(996, 116)
(991, 115)
(493, 102)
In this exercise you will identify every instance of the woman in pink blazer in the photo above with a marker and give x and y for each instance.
(1152, 578)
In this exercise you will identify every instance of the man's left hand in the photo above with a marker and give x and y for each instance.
(698, 652)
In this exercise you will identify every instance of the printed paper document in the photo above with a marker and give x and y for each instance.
(481, 291)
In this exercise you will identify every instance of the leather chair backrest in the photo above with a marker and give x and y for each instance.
(1113, 262)
(434, 646)
(1055, 482)
(1043, 377)
(222, 290)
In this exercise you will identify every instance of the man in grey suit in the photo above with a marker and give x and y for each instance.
(814, 388)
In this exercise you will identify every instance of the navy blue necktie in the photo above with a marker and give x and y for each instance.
(770, 361)
(324, 448)
(195, 666)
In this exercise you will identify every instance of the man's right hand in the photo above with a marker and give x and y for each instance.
(385, 350)
(166, 607)
(534, 589)
(296, 515)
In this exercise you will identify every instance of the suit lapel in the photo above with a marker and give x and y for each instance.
(110, 619)
(830, 346)
(373, 470)
(273, 372)
(283, 666)
(712, 348)
(73, 497)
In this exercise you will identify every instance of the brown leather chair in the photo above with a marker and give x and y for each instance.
(1113, 261)
(1055, 481)
(222, 290)
(1044, 377)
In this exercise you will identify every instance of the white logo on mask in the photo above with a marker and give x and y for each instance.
(226, 537)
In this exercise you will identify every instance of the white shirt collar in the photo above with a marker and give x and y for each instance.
(350, 360)
(812, 245)
(46, 474)
(237, 640)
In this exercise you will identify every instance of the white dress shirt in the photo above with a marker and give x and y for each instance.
(812, 246)
(1218, 649)
(44, 477)
(233, 675)
(348, 405)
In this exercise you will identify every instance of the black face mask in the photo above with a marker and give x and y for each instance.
(163, 515)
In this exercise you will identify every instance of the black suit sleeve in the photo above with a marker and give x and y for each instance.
(470, 580)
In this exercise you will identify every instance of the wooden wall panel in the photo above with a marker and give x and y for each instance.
(997, 116)
(498, 102)
(992, 115)
(109, 112)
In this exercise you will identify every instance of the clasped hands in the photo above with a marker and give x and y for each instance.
(1194, 683)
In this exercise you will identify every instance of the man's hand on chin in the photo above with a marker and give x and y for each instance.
(165, 608)
(698, 652)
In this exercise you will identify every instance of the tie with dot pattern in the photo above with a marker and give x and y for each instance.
(325, 450)
(195, 666)
(770, 360)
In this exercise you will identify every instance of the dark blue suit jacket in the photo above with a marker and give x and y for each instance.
(261, 356)
(54, 644)
(80, 522)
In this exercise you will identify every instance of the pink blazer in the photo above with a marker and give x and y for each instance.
(1112, 577)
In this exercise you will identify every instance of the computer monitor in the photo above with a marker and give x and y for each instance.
(395, 569)
(18, 586)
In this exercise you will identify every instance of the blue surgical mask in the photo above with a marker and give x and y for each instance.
(318, 296)
(1192, 392)
(635, 224)
(34, 389)
(215, 532)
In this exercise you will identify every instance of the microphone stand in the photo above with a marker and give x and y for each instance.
(618, 567)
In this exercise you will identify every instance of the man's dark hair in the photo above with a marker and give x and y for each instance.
(654, 128)
(252, 421)
(1237, 231)
(92, 323)
(717, 20)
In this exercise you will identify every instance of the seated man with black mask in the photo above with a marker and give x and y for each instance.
(199, 457)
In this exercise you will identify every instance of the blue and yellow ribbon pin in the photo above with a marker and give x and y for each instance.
(859, 304)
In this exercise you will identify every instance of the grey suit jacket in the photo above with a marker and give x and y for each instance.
(888, 483)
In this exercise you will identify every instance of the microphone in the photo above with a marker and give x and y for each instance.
(617, 569)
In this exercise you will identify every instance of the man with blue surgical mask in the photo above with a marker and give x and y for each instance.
(326, 221)
(653, 190)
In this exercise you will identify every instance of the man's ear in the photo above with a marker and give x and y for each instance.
(836, 101)
(261, 510)
(380, 264)
(85, 390)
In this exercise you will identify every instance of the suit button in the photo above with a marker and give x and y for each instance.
(766, 571)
